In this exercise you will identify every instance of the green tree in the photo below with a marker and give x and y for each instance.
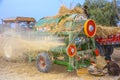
(101, 11)
(117, 9)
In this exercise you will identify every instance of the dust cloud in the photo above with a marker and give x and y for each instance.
(17, 45)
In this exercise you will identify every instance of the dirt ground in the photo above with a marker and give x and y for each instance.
(28, 71)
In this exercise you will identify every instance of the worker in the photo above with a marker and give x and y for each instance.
(85, 11)
(112, 67)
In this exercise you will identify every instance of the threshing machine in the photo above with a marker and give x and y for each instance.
(79, 49)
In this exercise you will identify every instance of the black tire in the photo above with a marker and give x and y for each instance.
(101, 51)
(108, 50)
(43, 62)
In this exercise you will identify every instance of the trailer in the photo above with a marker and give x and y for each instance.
(107, 44)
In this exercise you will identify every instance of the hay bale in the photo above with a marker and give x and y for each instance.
(104, 31)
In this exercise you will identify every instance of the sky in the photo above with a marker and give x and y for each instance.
(32, 8)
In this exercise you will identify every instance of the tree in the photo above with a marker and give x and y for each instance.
(116, 9)
(101, 11)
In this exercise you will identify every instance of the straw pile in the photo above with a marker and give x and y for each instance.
(104, 31)
(64, 10)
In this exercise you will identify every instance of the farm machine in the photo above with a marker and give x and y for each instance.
(81, 46)
(77, 32)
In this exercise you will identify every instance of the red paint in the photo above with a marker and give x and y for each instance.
(111, 39)
(71, 50)
(91, 33)
(96, 51)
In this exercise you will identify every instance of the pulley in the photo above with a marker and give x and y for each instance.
(90, 28)
(71, 50)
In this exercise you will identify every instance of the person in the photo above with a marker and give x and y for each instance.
(85, 11)
(112, 67)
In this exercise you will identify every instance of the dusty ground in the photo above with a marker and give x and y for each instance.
(28, 71)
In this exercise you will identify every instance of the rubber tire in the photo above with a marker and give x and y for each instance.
(48, 63)
(108, 50)
(101, 51)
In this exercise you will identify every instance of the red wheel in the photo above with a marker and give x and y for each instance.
(90, 28)
(43, 62)
(71, 50)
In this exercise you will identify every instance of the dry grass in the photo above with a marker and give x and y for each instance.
(104, 31)
(64, 10)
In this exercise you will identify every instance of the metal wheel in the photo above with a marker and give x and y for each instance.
(43, 62)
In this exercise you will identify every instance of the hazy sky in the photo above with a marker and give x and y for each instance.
(32, 8)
